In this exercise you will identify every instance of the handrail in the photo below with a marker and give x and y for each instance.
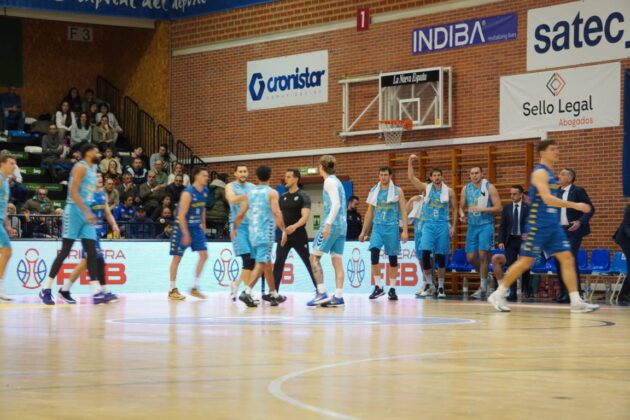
(106, 91)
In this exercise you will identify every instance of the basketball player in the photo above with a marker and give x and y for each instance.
(189, 229)
(544, 232)
(7, 166)
(79, 223)
(481, 200)
(295, 205)
(263, 212)
(439, 201)
(414, 216)
(386, 206)
(331, 236)
(236, 193)
(101, 210)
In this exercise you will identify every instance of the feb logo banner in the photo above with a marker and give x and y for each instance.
(300, 79)
(567, 99)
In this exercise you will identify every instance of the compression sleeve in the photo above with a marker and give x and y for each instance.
(330, 186)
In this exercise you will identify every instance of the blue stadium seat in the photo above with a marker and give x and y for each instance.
(600, 261)
(582, 260)
(459, 262)
(540, 265)
(619, 264)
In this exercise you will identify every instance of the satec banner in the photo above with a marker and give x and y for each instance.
(579, 32)
(299, 79)
(568, 99)
(129, 271)
(464, 34)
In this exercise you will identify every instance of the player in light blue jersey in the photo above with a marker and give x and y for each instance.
(478, 204)
(386, 208)
(189, 229)
(7, 166)
(544, 233)
(79, 223)
(101, 210)
(331, 237)
(262, 212)
(440, 204)
(236, 193)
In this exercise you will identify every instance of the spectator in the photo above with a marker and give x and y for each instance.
(88, 99)
(11, 105)
(113, 199)
(138, 172)
(219, 208)
(14, 220)
(161, 176)
(108, 156)
(35, 226)
(137, 152)
(19, 192)
(74, 100)
(80, 132)
(165, 203)
(165, 156)
(113, 172)
(128, 188)
(65, 119)
(103, 134)
(166, 234)
(179, 170)
(151, 193)
(123, 214)
(113, 122)
(141, 226)
(175, 189)
(622, 238)
(58, 223)
(355, 226)
(40, 203)
(164, 218)
(52, 151)
(92, 112)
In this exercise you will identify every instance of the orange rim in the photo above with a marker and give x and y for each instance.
(405, 124)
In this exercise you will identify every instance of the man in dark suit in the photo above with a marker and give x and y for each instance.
(622, 237)
(511, 234)
(574, 222)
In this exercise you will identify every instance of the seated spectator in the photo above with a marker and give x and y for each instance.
(113, 122)
(165, 203)
(92, 112)
(127, 187)
(175, 189)
(123, 214)
(164, 218)
(179, 170)
(40, 203)
(217, 214)
(113, 199)
(141, 226)
(165, 156)
(11, 105)
(112, 172)
(138, 172)
(108, 156)
(89, 98)
(160, 175)
(58, 223)
(166, 234)
(151, 193)
(137, 152)
(19, 192)
(14, 221)
(74, 100)
(80, 132)
(52, 151)
(35, 226)
(103, 134)
(65, 119)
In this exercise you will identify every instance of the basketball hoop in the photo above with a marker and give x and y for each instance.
(392, 130)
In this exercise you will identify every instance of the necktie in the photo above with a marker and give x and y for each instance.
(515, 224)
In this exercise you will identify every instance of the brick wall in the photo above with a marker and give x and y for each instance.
(209, 94)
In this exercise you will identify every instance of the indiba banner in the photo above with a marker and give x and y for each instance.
(129, 271)
(569, 99)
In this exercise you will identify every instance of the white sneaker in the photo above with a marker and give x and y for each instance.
(233, 291)
(5, 298)
(581, 306)
(499, 302)
(479, 294)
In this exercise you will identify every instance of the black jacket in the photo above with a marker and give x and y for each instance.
(622, 235)
(579, 195)
(506, 221)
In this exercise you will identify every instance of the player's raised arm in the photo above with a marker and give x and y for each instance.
(540, 179)
(420, 186)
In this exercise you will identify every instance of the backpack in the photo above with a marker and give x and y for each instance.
(212, 200)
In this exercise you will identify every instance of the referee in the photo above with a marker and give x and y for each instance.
(295, 205)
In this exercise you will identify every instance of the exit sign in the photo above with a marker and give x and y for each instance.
(79, 33)
(363, 19)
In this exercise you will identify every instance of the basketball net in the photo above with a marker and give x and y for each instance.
(392, 131)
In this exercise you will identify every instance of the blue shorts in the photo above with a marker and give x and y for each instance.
(241, 245)
(262, 253)
(333, 245)
(99, 251)
(197, 240)
(548, 239)
(4, 238)
(480, 238)
(435, 238)
(75, 225)
(386, 236)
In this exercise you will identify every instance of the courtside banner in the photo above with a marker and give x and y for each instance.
(300, 79)
(569, 99)
(128, 270)
(579, 32)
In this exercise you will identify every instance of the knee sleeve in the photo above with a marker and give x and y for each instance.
(440, 260)
(375, 255)
(66, 246)
(393, 260)
(426, 260)
(248, 262)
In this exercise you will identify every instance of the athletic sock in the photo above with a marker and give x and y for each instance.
(172, 285)
(378, 281)
(428, 279)
(248, 290)
(96, 287)
(483, 283)
(501, 290)
(104, 289)
(49, 283)
(575, 297)
(441, 282)
(339, 293)
(274, 294)
(196, 283)
(321, 289)
(66, 285)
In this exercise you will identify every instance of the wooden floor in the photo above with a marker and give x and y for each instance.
(146, 357)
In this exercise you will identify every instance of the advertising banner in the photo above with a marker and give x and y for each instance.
(129, 271)
(300, 79)
(579, 32)
(569, 99)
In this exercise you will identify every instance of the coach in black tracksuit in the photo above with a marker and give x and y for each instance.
(295, 205)
(511, 234)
